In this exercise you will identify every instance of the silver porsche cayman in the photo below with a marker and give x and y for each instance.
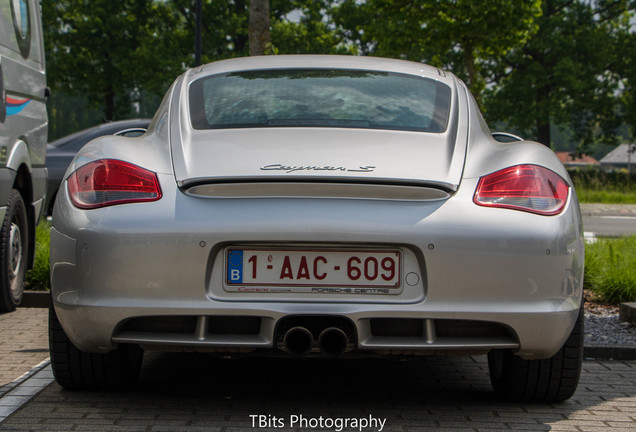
(318, 206)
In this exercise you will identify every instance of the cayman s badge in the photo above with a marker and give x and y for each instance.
(293, 168)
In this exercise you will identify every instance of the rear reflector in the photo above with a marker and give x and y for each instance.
(109, 182)
(529, 188)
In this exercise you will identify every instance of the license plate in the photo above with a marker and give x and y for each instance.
(313, 268)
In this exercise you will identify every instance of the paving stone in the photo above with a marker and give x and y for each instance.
(586, 428)
(528, 427)
(25, 342)
(189, 392)
(163, 428)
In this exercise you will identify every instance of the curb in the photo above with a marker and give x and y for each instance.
(627, 312)
(36, 299)
(24, 389)
(607, 352)
(9, 387)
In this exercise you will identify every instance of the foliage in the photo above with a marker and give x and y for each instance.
(313, 32)
(627, 69)
(532, 65)
(123, 54)
(604, 197)
(529, 64)
(610, 269)
(610, 187)
(596, 179)
(565, 73)
(38, 278)
(106, 50)
(461, 35)
(68, 114)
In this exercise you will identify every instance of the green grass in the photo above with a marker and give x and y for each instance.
(38, 278)
(604, 187)
(610, 269)
(590, 196)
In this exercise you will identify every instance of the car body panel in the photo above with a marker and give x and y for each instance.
(396, 156)
(116, 269)
(60, 153)
(220, 155)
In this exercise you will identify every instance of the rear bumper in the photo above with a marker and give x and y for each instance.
(520, 273)
(536, 334)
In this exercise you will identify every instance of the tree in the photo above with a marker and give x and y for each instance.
(461, 35)
(120, 54)
(627, 67)
(103, 50)
(313, 30)
(259, 34)
(566, 73)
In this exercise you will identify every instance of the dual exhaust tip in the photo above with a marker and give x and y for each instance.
(331, 341)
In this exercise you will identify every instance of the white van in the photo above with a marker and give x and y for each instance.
(23, 135)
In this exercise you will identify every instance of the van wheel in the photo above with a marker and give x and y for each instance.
(14, 245)
(79, 370)
(551, 380)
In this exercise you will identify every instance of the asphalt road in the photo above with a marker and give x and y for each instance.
(609, 226)
(609, 220)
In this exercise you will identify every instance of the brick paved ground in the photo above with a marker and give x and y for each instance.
(23, 342)
(192, 392)
(196, 392)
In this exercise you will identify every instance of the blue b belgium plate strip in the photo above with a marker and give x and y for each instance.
(235, 266)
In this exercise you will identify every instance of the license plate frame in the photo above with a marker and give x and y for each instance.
(289, 269)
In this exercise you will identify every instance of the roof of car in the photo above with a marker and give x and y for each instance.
(320, 61)
(100, 129)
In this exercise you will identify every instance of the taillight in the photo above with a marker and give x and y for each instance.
(528, 188)
(108, 182)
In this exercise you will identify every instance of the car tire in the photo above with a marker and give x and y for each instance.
(74, 369)
(14, 247)
(551, 380)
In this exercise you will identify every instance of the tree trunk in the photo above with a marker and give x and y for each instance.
(109, 91)
(259, 35)
(543, 116)
(543, 131)
(471, 68)
(109, 103)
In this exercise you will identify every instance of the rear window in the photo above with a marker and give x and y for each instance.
(319, 98)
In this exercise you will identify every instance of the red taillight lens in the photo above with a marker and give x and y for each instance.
(108, 182)
(528, 188)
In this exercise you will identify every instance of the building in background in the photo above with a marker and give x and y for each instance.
(572, 160)
(622, 157)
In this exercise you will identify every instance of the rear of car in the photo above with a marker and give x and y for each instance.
(318, 206)
(23, 134)
(61, 152)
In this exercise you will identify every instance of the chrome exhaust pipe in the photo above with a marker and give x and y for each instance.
(298, 340)
(333, 341)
